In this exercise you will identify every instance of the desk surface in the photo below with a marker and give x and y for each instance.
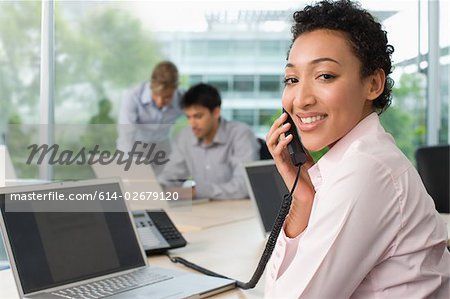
(224, 236)
(210, 214)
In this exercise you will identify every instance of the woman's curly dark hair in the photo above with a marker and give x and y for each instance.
(367, 39)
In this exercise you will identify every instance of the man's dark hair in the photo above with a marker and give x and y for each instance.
(366, 37)
(203, 95)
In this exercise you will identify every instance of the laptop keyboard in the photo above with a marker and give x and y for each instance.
(111, 286)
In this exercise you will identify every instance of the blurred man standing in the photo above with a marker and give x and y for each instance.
(149, 110)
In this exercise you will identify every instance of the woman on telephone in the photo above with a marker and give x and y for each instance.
(361, 223)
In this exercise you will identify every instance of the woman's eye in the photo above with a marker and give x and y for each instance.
(289, 81)
(327, 76)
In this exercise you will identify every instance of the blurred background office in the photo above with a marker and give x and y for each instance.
(60, 61)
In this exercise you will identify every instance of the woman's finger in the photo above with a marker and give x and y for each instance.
(277, 123)
(277, 134)
(282, 144)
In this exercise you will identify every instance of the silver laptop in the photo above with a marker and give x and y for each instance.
(266, 189)
(92, 254)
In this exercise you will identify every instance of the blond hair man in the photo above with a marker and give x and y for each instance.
(149, 109)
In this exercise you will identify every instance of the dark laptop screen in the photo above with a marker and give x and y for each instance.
(268, 188)
(52, 249)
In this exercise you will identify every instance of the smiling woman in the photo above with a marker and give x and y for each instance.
(361, 224)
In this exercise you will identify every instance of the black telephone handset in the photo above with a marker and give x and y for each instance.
(295, 147)
(156, 231)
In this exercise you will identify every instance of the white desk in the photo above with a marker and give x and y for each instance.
(229, 248)
(232, 250)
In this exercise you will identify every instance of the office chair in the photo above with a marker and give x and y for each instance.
(433, 167)
(264, 153)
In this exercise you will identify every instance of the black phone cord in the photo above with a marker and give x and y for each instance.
(270, 245)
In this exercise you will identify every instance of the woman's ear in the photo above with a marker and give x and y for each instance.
(375, 84)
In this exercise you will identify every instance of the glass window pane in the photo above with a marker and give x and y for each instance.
(268, 116)
(195, 79)
(243, 83)
(244, 47)
(269, 83)
(219, 82)
(405, 118)
(272, 47)
(196, 48)
(218, 48)
(102, 51)
(20, 42)
(244, 115)
(444, 39)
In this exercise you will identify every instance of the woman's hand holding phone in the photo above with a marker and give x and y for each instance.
(303, 196)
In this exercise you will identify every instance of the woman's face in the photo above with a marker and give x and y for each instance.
(324, 92)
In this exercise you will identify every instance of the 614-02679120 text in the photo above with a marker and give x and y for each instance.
(102, 195)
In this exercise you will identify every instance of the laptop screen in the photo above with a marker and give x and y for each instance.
(268, 190)
(52, 249)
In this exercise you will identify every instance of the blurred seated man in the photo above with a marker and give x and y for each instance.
(149, 110)
(212, 150)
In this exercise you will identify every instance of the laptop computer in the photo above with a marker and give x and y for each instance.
(266, 189)
(87, 254)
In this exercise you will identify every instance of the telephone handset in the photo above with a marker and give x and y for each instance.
(295, 147)
(156, 231)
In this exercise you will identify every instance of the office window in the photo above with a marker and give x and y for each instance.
(270, 47)
(269, 83)
(220, 82)
(195, 79)
(219, 48)
(444, 42)
(196, 48)
(444, 135)
(406, 119)
(102, 51)
(243, 83)
(20, 42)
(244, 47)
(244, 115)
(267, 117)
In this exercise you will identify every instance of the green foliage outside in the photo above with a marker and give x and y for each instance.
(105, 48)
(405, 119)
(19, 58)
(99, 51)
